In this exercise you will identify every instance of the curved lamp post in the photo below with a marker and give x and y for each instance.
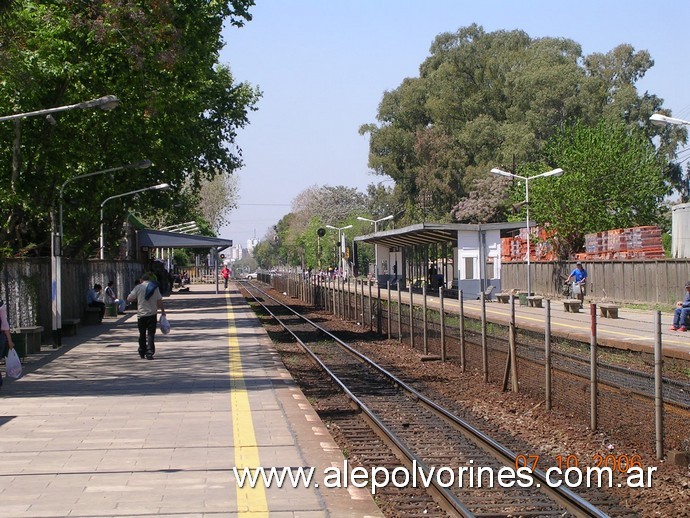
(526, 179)
(152, 188)
(343, 262)
(375, 222)
(107, 102)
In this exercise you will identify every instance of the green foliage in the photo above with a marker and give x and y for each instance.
(494, 99)
(613, 179)
(178, 107)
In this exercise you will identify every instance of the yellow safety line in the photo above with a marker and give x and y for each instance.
(250, 501)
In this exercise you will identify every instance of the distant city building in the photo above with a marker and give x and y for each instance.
(251, 243)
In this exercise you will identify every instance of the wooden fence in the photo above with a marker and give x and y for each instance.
(659, 281)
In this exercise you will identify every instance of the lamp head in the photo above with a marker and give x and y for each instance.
(161, 186)
(500, 172)
(142, 164)
(107, 102)
(659, 119)
(364, 219)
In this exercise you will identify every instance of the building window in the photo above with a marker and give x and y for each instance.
(489, 273)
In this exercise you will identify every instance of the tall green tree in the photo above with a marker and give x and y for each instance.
(485, 99)
(179, 106)
(613, 179)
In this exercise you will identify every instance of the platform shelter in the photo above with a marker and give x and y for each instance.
(453, 255)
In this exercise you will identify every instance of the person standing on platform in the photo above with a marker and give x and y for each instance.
(149, 301)
(225, 272)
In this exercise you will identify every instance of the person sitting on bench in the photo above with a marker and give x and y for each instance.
(680, 315)
(93, 299)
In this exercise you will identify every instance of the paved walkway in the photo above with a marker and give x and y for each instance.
(92, 430)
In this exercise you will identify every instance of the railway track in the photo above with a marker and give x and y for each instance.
(457, 463)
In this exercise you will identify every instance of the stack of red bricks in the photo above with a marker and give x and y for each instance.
(624, 243)
(514, 249)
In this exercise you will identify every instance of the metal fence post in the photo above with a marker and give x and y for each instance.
(658, 388)
(547, 354)
(399, 315)
(388, 307)
(461, 313)
(442, 320)
(425, 334)
(485, 351)
(593, 369)
(411, 320)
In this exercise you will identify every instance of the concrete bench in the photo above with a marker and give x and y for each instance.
(92, 316)
(32, 338)
(503, 298)
(110, 311)
(609, 310)
(571, 305)
(534, 301)
(70, 326)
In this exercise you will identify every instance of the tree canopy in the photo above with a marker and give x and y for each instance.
(179, 107)
(483, 100)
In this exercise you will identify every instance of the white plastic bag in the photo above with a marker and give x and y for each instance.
(13, 367)
(165, 325)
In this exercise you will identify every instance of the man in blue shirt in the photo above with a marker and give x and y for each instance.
(680, 315)
(579, 275)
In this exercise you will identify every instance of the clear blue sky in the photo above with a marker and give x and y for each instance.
(323, 66)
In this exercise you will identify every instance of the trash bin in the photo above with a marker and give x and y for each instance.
(111, 310)
(523, 298)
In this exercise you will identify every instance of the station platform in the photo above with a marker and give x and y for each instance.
(91, 429)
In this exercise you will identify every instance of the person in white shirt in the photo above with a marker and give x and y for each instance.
(149, 301)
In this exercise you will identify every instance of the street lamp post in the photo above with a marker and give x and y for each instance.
(526, 179)
(341, 236)
(375, 222)
(152, 188)
(56, 242)
(107, 102)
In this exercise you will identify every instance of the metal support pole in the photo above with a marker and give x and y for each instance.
(357, 319)
(593, 368)
(658, 388)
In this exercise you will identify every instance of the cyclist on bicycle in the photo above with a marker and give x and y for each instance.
(579, 275)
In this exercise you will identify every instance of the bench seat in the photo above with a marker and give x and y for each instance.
(609, 310)
(32, 338)
(92, 316)
(571, 305)
(534, 301)
(70, 326)
(503, 297)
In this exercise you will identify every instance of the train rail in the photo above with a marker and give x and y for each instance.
(434, 443)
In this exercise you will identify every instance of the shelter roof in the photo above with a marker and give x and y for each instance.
(430, 233)
(161, 239)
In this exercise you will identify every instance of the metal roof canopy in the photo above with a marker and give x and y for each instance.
(429, 233)
(161, 239)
